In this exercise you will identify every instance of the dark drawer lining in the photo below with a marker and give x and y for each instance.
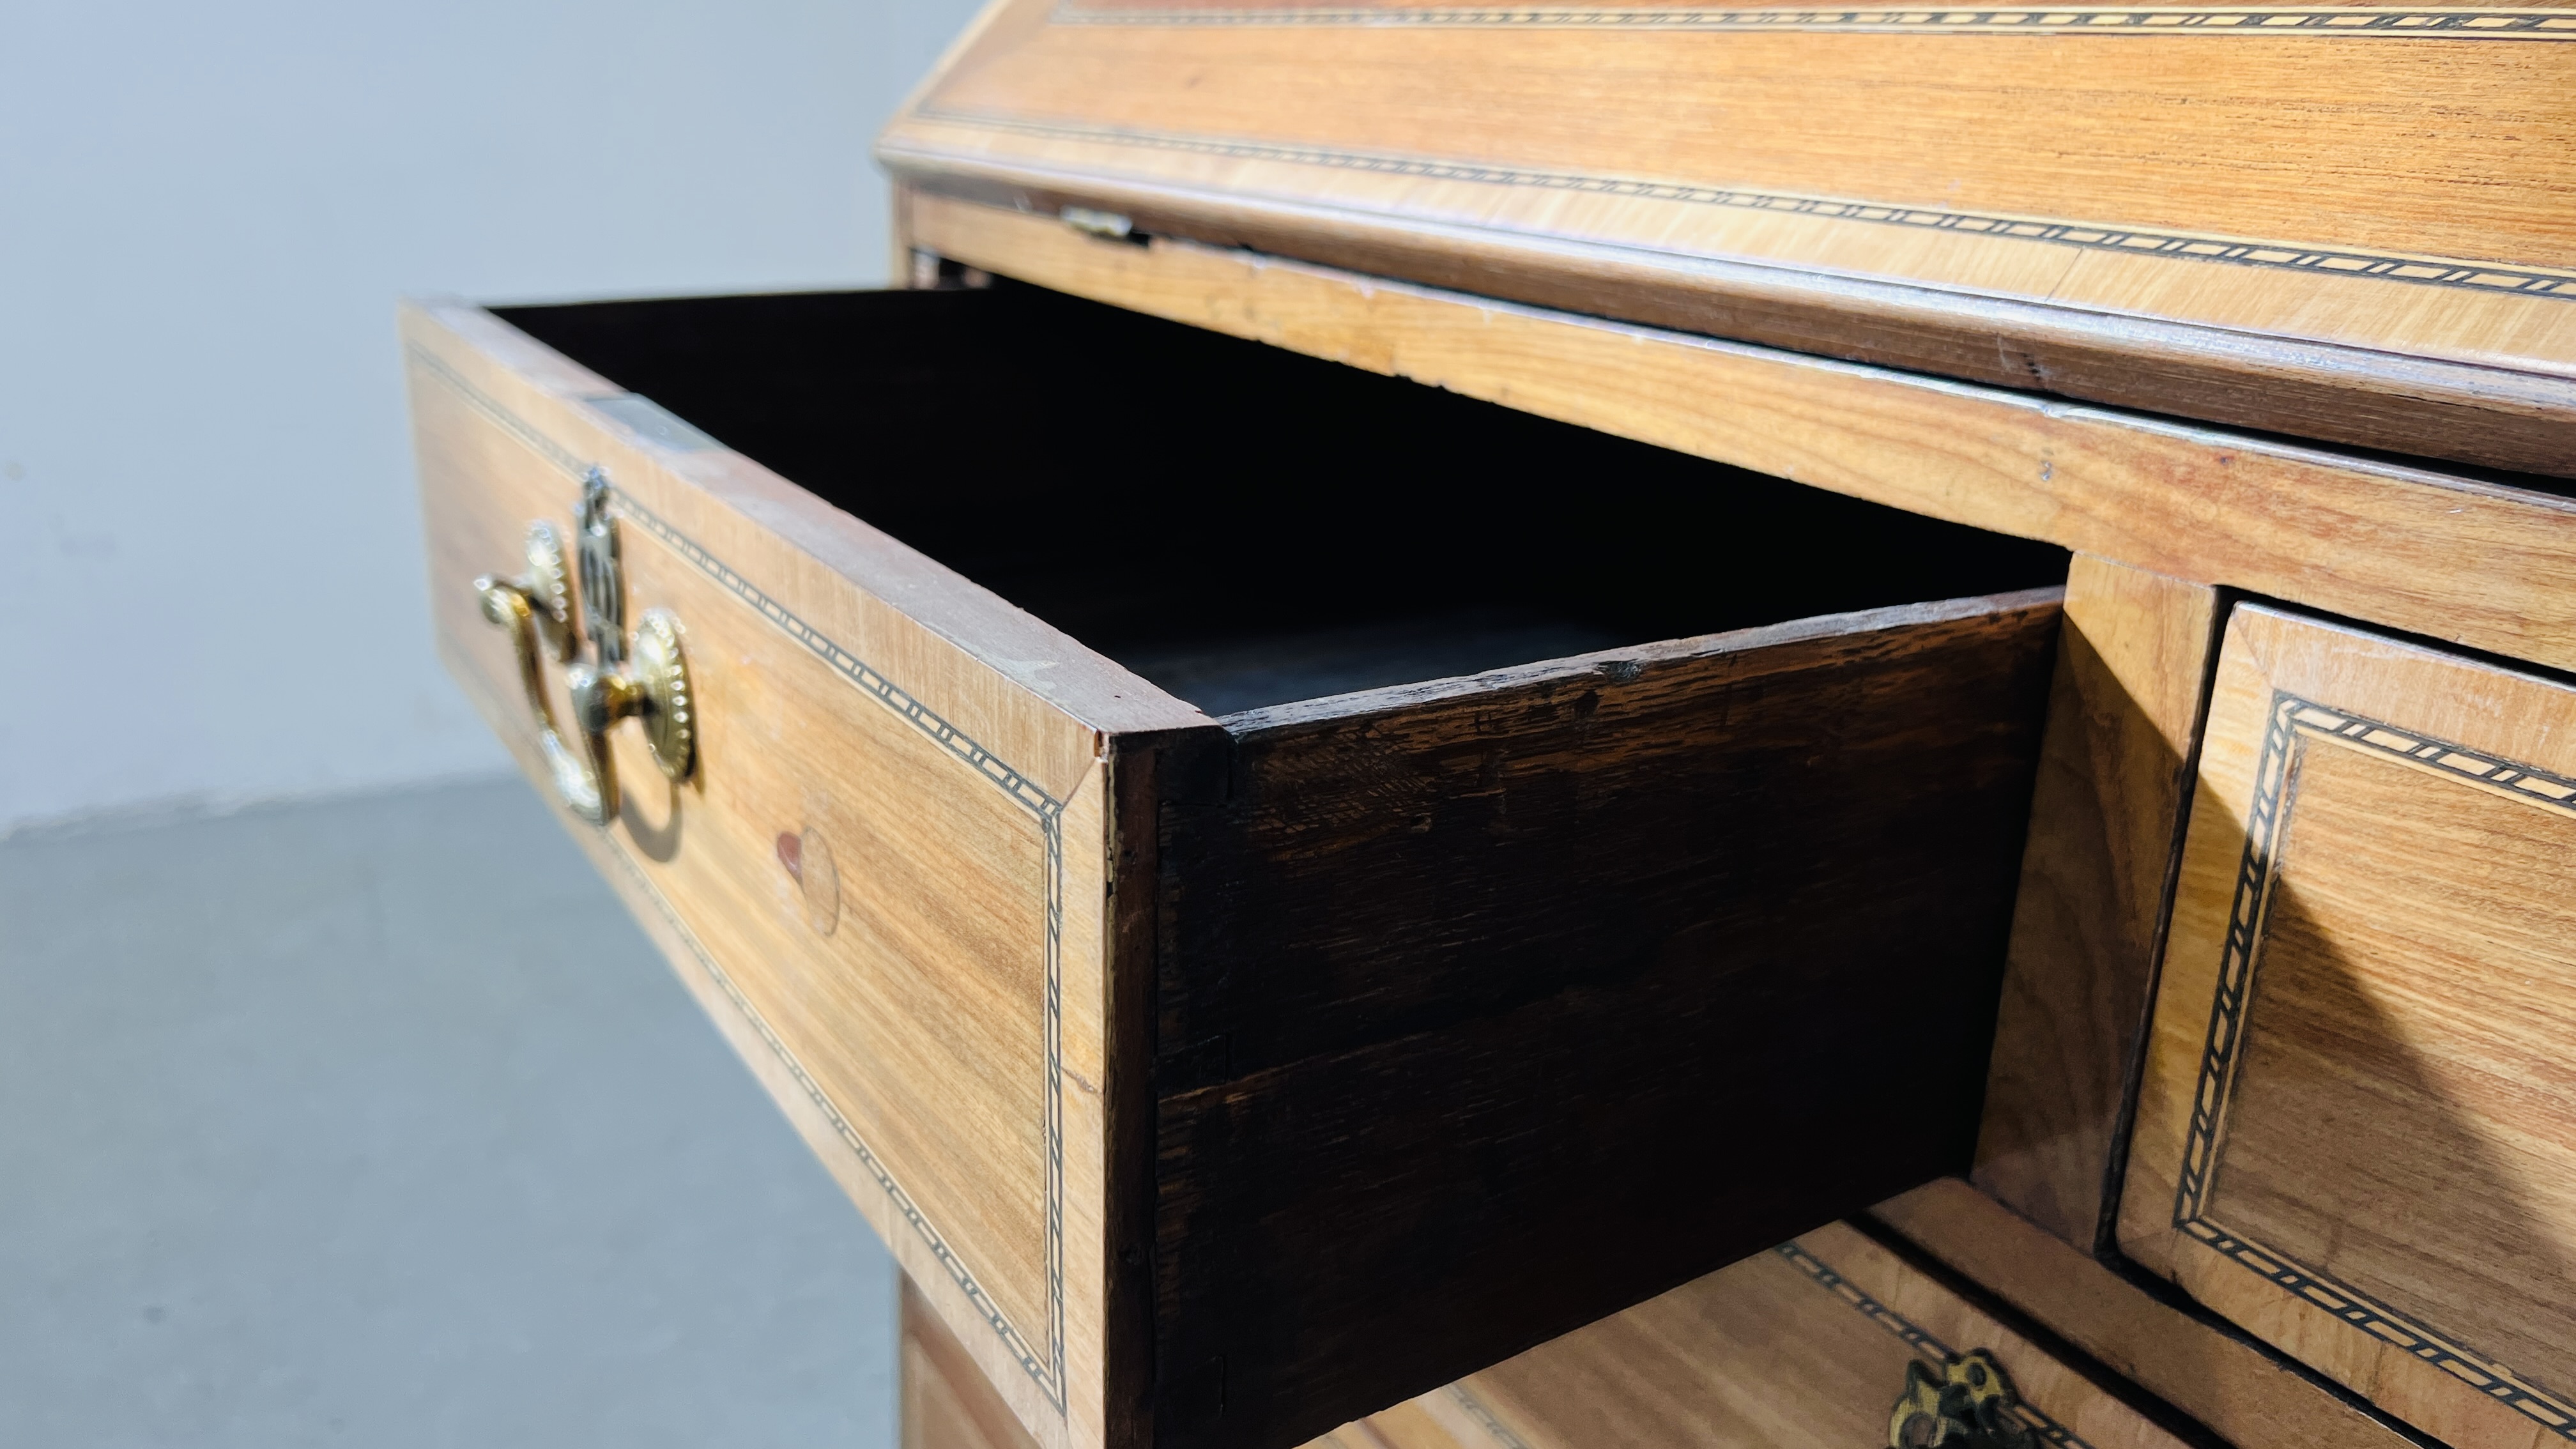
(1247, 526)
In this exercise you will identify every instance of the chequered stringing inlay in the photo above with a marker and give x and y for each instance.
(2290, 723)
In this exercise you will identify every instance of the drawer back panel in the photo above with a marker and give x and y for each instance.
(1488, 1011)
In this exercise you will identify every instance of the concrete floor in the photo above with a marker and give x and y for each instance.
(375, 1122)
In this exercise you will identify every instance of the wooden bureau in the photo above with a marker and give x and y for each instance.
(1620, 724)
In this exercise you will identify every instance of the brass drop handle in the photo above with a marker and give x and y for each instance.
(580, 778)
(652, 687)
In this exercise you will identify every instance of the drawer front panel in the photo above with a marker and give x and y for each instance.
(885, 877)
(1813, 1342)
(2357, 1134)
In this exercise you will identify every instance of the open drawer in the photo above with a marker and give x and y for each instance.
(1273, 887)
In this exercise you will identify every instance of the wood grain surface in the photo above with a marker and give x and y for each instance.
(2247, 1395)
(2454, 558)
(1098, 975)
(2106, 821)
(1803, 1344)
(2355, 1135)
(1480, 1001)
(2098, 204)
(941, 1044)
(947, 1402)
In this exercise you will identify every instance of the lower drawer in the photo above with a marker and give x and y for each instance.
(2357, 1131)
(1272, 886)
(1828, 1340)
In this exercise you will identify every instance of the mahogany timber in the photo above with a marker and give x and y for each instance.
(2357, 1130)
(2455, 558)
(2244, 1394)
(2350, 222)
(1025, 1042)
(1805, 1343)
(1720, 903)
(2105, 826)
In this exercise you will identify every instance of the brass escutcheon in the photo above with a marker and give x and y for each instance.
(1968, 1404)
(647, 682)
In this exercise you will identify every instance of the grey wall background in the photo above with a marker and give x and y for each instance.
(210, 574)
(325, 1121)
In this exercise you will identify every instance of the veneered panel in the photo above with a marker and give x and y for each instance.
(2358, 201)
(2357, 1132)
(1805, 1343)
(924, 1022)
(2401, 1113)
